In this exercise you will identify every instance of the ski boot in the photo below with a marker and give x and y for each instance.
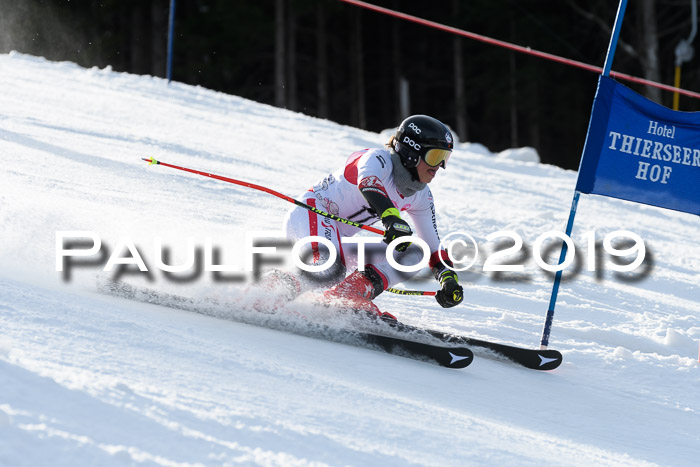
(358, 290)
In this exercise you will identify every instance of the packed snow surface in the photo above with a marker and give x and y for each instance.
(90, 379)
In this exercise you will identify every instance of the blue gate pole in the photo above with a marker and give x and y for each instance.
(557, 278)
(171, 28)
(544, 343)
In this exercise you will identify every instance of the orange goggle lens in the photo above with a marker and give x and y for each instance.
(435, 157)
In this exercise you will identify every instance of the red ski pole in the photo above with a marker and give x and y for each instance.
(152, 161)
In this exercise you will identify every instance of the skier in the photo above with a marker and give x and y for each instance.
(375, 184)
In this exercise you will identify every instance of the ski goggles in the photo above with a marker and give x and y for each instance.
(435, 157)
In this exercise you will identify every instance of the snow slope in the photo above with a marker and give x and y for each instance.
(87, 379)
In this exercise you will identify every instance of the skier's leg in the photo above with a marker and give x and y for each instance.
(361, 287)
(376, 256)
(288, 283)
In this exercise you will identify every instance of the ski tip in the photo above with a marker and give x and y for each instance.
(548, 360)
(150, 160)
(459, 358)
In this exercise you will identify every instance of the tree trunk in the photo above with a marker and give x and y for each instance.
(358, 71)
(401, 106)
(649, 47)
(159, 37)
(460, 97)
(321, 60)
(292, 100)
(280, 53)
(140, 50)
(533, 119)
(513, 87)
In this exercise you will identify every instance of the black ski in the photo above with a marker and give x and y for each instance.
(529, 358)
(534, 359)
(450, 357)
(445, 354)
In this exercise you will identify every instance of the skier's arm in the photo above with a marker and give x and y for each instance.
(372, 189)
(450, 293)
(374, 193)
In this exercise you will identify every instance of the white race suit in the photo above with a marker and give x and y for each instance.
(339, 194)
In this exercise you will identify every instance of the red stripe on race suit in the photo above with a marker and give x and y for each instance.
(313, 230)
(351, 166)
(435, 259)
(340, 246)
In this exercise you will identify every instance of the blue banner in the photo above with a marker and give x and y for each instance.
(641, 151)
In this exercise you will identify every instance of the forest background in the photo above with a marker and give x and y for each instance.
(337, 61)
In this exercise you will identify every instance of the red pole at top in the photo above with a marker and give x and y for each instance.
(518, 48)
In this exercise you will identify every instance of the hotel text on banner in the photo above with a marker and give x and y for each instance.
(640, 151)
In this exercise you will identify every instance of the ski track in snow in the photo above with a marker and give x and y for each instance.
(87, 379)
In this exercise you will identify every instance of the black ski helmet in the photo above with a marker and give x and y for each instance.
(418, 136)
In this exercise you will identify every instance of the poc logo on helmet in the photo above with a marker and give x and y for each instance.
(411, 143)
(414, 127)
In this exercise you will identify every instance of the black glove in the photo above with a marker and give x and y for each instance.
(451, 293)
(396, 227)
